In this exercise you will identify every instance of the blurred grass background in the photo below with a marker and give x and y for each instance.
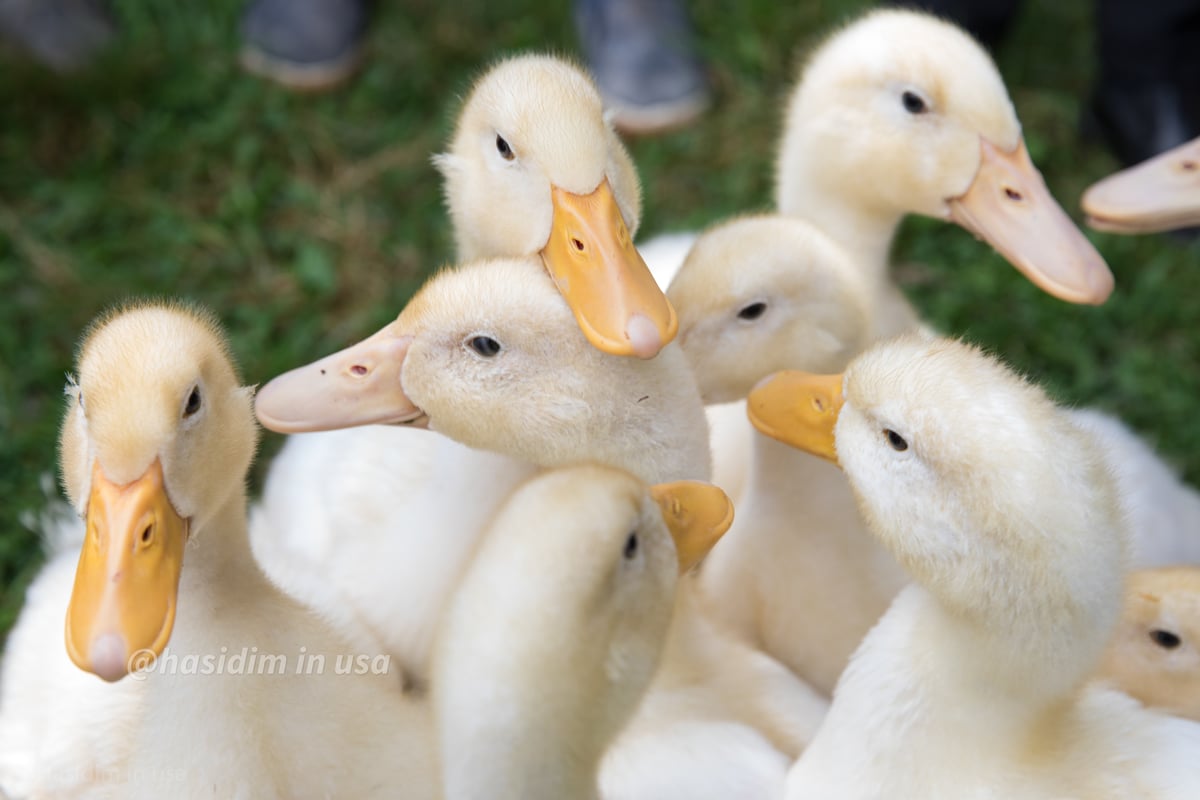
(306, 222)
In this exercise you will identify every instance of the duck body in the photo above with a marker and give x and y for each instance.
(63, 732)
(1163, 511)
(383, 587)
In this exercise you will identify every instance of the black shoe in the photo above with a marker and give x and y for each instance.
(307, 45)
(643, 59)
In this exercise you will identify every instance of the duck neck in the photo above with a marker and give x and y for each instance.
(217, 562)
(924, 672)
(865, 231)
(777, 469)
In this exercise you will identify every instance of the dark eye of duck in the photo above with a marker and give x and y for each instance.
(193, 403)
(913, 103)
(752, 311)
(485, 346)
(503, 149)
(631, 545)
(895, 440)
(1165, 639)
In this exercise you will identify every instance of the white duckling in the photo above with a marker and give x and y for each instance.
(901, 113)
(558, 625)
(533, 169)
(798, 575)
(1160, 194)
(1155, 654)
(918, 107)
(155, 448)
(488, 354)
(1004, 513)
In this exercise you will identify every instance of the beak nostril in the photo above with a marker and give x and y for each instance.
(818, 405)
(577, 244)
(358, 370)
(147, 534)
(1013, 194)
(1189, 166)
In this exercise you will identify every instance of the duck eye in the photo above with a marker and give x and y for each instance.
(913, 103)
(485, 346)
(895, 440)
(503, 149)
(752, 311)
(1165, 639)
(193, 403)
(631, 546)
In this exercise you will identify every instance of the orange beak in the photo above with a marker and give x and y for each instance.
(1161, 194)
(1008, 206)
(356, 386)
(127, 581)
(601, 275)
(799, 409)
(697, 514)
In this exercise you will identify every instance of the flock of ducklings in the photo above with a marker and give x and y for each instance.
(504, 495)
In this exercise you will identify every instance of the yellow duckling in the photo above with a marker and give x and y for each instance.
(558, 626)
(535, 168)
(1155, 654)
(156, 443)
(798, 575)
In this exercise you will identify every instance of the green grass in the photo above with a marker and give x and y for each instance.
(307, 221)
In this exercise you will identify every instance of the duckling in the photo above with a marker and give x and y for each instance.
(799, 574)
(558, 625)
(918, 106)
(1160, 194)
(503, 387)
(901, 113)
(535, 168)
(1006, 516)
(1155, 654)
(155, 448)
(488, 355)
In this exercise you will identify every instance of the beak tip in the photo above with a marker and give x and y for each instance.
(108, 657)
(644, 338)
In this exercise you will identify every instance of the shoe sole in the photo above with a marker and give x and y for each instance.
(301, 77)
(659, 118)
